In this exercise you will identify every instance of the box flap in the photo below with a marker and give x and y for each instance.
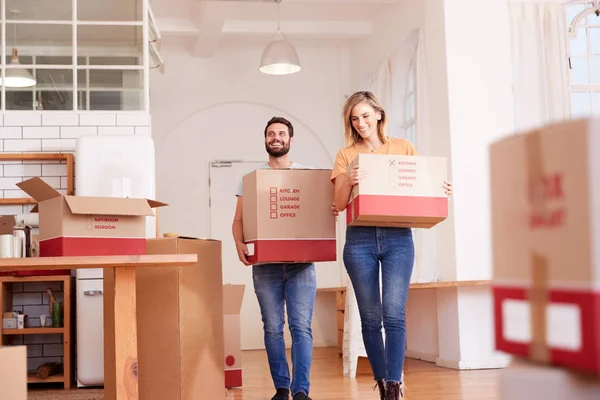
(38, 189)
(232, 298)
(7, 224)
(108, 206)
(155, 204)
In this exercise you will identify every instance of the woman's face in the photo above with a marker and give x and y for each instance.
(364, 119)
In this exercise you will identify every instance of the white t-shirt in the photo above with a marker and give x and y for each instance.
(294, 165)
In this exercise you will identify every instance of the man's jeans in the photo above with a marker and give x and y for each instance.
(296, 285)
(366, 247)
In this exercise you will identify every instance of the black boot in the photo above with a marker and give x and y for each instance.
(301, 396)
(282, 394)
(381, 386)
(393, 391)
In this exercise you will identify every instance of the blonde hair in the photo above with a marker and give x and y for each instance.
(352, 136)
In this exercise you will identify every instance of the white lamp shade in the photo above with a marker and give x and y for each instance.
(279, 57)
(17, 77)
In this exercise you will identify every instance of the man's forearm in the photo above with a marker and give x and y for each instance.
(238, 231)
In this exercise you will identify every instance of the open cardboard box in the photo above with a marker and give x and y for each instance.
(88, 226)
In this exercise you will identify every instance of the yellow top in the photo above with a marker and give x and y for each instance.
(395, 146)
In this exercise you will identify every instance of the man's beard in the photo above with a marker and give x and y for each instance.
(282, 151)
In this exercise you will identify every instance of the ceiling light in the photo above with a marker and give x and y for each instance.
(17, 77)
(279, 57)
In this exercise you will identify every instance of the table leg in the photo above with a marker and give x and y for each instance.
(120, 341)
(126, 360)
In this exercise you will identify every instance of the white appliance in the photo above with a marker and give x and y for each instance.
(108, 166)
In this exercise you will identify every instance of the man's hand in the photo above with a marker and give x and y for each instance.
(242, 251)
(334, 210)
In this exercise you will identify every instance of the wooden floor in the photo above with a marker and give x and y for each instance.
(424, 381)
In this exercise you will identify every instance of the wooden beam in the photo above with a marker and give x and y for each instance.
(52, 263)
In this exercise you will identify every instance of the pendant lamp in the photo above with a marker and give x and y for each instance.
(279, 57)
(16, 77)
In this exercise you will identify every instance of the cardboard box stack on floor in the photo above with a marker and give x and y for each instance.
(398, 191)
(233, 295)
(179, 324)
(287, 215)
(546, 245)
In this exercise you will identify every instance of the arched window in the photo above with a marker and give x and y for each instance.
(583, 30)
(410, 114)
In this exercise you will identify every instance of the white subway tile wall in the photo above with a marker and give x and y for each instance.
(49, 132)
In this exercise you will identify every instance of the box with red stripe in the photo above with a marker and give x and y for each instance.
(398, 191)
(88, 226)
(545, 190)
(287, 216)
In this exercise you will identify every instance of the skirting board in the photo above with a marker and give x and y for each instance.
(421, 355)
(491, 363)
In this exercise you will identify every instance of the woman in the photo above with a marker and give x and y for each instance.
(367, 247)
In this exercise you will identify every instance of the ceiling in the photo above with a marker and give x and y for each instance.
(205, 25)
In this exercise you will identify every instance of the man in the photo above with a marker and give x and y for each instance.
(276, 284)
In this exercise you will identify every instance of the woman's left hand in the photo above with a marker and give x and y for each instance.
(448, 188)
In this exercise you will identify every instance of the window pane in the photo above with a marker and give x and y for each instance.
(578, 46)
(115, 90)
(592, 19)
(40, 39)
(579, 71)
(19, 99)
(109, 10)
(580, 104)
(55, 10)
(572, 11)
(596, 70)
(411, 80)
(46, 60)
(119, 43)
(595, 40)
(596, 97)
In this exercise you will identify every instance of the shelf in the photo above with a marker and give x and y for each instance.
(33, 331)
(32, 378)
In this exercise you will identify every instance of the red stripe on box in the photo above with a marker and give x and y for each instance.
(292, 251)
(588, 358)
(85, 246)
(233, 378)
(414, 206)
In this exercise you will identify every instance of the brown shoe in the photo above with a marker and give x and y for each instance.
(393, 391)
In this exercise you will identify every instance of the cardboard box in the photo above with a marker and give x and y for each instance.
(398, 191)
(545, 189)
(88, 226)
(233, 296)
(287, 216)
(179, 325)
(7, 223)
(529, 381)
(13, 372)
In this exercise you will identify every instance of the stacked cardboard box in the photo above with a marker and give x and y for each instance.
(546, 244)
(233, 296)
(398, 191)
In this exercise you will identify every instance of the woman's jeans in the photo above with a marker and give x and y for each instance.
(366, 247)
(294, 285)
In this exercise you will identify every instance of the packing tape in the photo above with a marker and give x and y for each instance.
(538, 293)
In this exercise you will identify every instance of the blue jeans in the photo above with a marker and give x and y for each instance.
(366, 247)
(296, 285)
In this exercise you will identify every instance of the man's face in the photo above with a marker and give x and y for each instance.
(277, 141)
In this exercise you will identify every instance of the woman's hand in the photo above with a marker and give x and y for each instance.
(355, 175)
(334, 209)
(448, 188)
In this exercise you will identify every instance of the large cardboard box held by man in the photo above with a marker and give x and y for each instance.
(287, 215)
(545, 190)
(398, 191)
(179, 324)
(88, 226)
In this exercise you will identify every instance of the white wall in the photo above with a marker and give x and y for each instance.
(205, 109)
(468, 82)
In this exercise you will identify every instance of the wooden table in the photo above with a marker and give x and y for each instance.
(123, 304)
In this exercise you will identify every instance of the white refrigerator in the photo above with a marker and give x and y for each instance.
(108, 166)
